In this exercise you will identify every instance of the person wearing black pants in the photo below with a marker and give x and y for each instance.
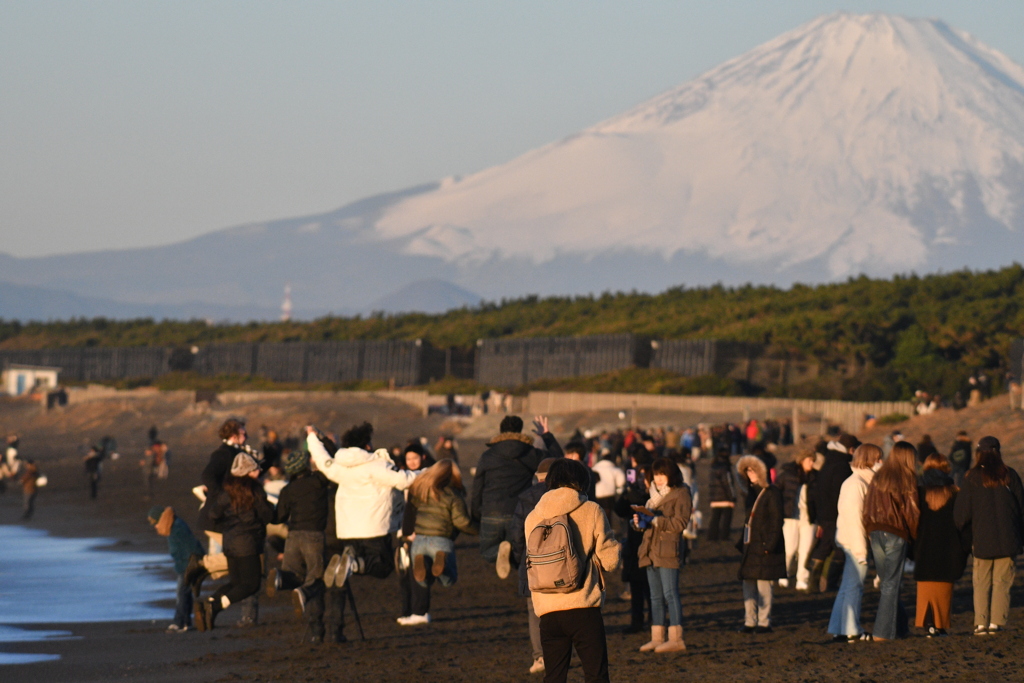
(584, 628)
(241, 507)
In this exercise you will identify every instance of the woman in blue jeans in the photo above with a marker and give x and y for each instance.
(661, 551)
(436, 510)
(891, 514)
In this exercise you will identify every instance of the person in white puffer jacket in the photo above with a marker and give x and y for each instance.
(612, 482)
(844, 626)
(363, 504)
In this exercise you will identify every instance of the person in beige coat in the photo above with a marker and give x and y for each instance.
(574, 619)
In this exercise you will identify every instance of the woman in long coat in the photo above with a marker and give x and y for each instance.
(762, 544)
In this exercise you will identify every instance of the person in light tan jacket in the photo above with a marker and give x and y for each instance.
(574, 619)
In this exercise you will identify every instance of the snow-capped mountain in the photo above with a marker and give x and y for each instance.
(866, 143)
(853, 144)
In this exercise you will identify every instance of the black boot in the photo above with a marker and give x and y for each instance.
(195, 573)
(815, 582)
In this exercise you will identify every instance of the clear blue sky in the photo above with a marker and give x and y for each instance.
(138, 123)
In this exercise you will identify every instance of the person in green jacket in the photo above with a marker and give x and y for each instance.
(436, 512)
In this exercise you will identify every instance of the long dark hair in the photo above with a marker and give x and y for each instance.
(993, 471)
(242, 491)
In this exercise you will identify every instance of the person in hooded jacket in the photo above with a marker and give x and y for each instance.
(834, 471)
(940, 554)
(796, 481)
(363, 503)
(991, 507)
(504, 471)
(891, 517)
(241, 509)
(722, 492)
(762, 545)
(661, 553)
(960, 457)
(569, 620)
(852, 539)
(183, 546)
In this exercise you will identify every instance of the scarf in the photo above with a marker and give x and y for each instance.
(656, 496)
(246, 448)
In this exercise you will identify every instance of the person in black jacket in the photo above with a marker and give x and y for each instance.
(504, 471)
(635, 493)
(302, 505)
(835, 470)
(243, 512)
(517, 537)
(960, 457)
(796, 481)
(939, 553)
(762, 545)
(722, 492)
(991, 505)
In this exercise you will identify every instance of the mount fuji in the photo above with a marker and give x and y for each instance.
(853, 144)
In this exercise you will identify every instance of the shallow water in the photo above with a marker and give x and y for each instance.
(49, 580)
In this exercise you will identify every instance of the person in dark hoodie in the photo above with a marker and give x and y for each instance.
(991, 505)
(722, 490)
(762, 545)
(302, 505)
(504, 471)
(528, 500)
(796, 481)
(635, 493)
(960, 457)
(183, 546)
(828, 483)
(940, 554)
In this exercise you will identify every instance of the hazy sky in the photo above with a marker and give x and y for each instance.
(136, 123)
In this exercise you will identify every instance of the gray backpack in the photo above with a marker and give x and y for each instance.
(553, 562)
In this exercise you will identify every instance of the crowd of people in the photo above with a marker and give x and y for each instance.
(304, 514)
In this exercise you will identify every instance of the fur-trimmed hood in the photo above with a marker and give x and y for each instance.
(511, 436)
(755, 463)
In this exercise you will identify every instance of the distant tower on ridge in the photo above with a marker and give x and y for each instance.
(286, 305)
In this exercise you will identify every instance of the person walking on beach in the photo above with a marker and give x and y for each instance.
(722, 490)
(93, 462)
(435, 514)
(243, 512)
(661, 552)
(844, 625)
(796, 481)
(183, 546)
(762, 545)
(570, 615)
(940, 555)
(504, 471)
(834, 471)
(960, 457)
(891, 517)
(991, 507)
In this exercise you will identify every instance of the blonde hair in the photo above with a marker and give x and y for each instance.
(865, 457)
(435, 479)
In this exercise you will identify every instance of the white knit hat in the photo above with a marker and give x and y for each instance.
(243, 465)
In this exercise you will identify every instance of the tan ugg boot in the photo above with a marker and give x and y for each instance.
(675, 641)
(657, 638)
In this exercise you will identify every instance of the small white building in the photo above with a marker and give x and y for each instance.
(19, 380)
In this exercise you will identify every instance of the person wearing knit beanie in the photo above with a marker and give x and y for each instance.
(184, 549)
(244, 465)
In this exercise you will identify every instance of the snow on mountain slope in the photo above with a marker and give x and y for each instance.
(859, 143)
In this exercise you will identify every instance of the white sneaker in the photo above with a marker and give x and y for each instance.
(346, 566)
(503, 565)
(414, 620)
(403, 558)
(332, 570)
(538, 666)
(783, 583)
(174, 628)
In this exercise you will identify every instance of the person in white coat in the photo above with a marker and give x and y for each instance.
(844, 626)
(610, 485)
(363, 504)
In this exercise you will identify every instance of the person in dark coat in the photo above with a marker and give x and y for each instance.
(762, 545)
(504, 471)
(722, 492)
(940, 555)
(517, 537)
(960, 457)
(991, 505)
(302, 506)
(829, 482)
(796, 482)
(243, 512)
(635, 493)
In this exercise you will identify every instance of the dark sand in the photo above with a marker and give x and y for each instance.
(479, 629)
